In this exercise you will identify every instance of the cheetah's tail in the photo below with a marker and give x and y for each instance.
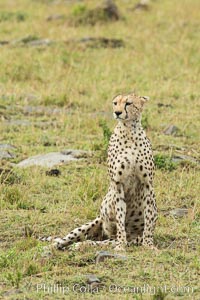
(89, 229)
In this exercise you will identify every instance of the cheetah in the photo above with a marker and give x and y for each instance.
(128, 212)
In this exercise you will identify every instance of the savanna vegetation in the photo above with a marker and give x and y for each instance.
(61, 63)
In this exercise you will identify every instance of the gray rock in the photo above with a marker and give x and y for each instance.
(171, 130)
(102, 114)
(169, 147)
(32, 41)
(18, 122)
(5, 151)
(41, 110)
(42, 124)
(94, 282)
(111, 10)
(7, 146)
(180, 158)
(54, 158)
(2, 43)
(6, 154)
(30, 97)
(25, 40)
(76, 153)
(101, 42)
(176, 212)
(55, 17)
(102, 255)
(40, 42)
(12, 292)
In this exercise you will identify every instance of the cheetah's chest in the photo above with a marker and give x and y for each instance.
(121, 160)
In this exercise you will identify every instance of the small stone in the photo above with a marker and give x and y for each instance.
(142, 5)
(164, 105)
(94, 282)
(2, 43)
(105, 12)
(92, 278)
(55, 17)
(111, 9)
(102, 255)
(102, 42)
(53, 172)
(171, 130)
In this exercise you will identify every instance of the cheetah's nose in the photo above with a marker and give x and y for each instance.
(118, 113)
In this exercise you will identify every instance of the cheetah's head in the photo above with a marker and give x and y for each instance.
(128, 107)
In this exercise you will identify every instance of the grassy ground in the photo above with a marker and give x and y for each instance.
(160, 59)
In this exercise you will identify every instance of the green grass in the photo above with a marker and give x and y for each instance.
(161, 60)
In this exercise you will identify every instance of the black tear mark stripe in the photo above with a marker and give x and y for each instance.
(126, 110)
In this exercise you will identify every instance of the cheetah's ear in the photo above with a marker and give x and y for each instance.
(146, 98)
(118, 95)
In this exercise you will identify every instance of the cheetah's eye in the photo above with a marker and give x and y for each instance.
(129, 103)
(114, 103)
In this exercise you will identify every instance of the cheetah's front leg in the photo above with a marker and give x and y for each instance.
(150, 215)
(120, 213)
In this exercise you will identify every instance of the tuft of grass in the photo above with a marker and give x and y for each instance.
(31, 269)
(145, 121)
(82, 15)
(103, 146)
(106, 132)
(164, 162)
(9, 176)
(79, 10)
(8, 258)
(12, 16)
(14, 278)
(12, 195)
